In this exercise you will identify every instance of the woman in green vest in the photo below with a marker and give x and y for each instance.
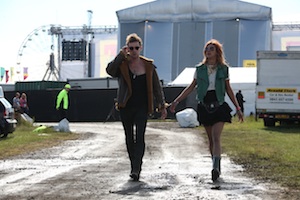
(211, 79)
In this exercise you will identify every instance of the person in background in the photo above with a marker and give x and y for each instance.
(211, 80)
(23, 104)
(139, 87)
(62, 102)
(3, 130)
(240, 98)
(16, 106)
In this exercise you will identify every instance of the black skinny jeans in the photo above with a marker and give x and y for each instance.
(135, 138)
(62, 113)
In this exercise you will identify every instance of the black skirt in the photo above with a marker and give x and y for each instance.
(220, 113)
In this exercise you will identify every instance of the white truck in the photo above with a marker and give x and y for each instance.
(278, 87)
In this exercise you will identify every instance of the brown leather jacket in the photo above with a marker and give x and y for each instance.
(119, 68)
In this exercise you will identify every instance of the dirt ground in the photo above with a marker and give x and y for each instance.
(177, 165)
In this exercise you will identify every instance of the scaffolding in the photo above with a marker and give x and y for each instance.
(286, 27)
(86, 31)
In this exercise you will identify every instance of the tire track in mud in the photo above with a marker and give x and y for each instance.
(176, 165)
(25, 171)
(186, 164)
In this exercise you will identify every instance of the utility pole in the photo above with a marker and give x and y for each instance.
(90, 15)
(87, 63)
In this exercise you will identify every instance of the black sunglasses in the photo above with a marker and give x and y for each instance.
(136, 48)
(209, 48)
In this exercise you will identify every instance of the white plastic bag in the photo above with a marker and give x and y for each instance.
(63, 126)
(26, 118)
(187, 118)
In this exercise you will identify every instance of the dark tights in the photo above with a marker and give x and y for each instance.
(135, 139)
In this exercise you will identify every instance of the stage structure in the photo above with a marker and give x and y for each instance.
(78, 49)
(49, 51)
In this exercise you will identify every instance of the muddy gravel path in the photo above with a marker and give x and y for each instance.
(176, 165)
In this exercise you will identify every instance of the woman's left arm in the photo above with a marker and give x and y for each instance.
(231, 95)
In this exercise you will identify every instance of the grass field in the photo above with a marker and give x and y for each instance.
(271, 154)
(24, 140)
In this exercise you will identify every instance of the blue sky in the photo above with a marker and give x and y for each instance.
(20, 17)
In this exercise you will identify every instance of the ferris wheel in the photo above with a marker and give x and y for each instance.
(33, 57)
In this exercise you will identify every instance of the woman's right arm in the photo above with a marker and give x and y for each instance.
(183, 95)
(113, 67)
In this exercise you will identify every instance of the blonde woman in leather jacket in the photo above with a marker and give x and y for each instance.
(139, 91)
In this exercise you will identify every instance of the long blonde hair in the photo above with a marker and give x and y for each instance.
(219, 50)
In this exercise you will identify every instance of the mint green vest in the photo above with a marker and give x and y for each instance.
(203, 82)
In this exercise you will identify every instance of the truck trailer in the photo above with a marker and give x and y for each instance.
(278, 87)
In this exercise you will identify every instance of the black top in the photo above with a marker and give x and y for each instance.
(139, 91)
